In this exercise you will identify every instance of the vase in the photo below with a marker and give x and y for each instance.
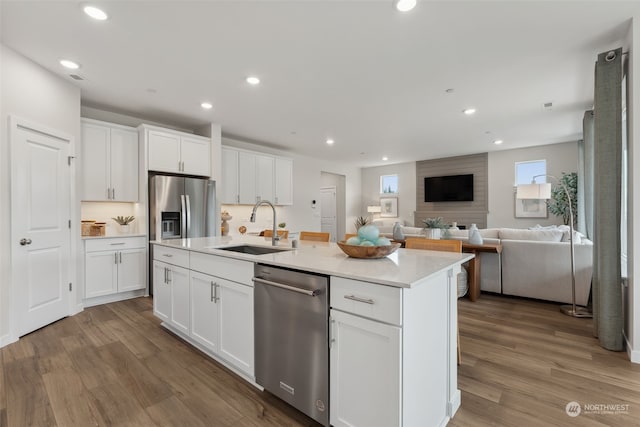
(474, 235)
(398, 235)
(225, 227)
(125, 228)
(432, 233)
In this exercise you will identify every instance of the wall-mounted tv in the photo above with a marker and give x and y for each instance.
(452, 188)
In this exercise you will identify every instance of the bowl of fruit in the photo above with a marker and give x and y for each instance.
(368, 244)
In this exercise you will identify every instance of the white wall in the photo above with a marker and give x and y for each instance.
(306, 187)
(560, 158)
(31, 92)
(406, 189)
(632, 308)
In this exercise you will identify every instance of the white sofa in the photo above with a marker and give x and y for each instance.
(534, 263)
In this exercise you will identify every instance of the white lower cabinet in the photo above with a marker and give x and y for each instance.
(161, 291)
(366, 371)
(113, 266)
(171, 295)
(236, 324)
(204, 310)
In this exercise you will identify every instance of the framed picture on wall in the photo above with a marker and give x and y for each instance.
(389, 207)
(530, 208)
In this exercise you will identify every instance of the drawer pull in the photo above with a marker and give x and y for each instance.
(363, 300)
(116, 244)
(167, 255)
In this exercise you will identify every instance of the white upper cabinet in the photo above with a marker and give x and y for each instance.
(249, 177)
(229, 189)
(283, 181)
(109, 162)
(175, 152)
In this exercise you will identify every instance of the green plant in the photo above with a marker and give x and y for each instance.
(282, 225)
(361, 221)
(437, 222)
(558, 204)
(124, 220)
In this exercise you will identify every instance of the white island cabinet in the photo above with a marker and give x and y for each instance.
(392, 324)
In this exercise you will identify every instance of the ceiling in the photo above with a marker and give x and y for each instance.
(359, 72)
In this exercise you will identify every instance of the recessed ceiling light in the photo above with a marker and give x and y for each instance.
(498, 141)
(95, 13)
(253, 80)
(69, 64)
(385, 158)
(405, 5)
(469, 111)
(206, 105)
(330, 141)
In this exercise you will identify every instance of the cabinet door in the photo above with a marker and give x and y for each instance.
(236, 325)
(229, 188)
(161, 291)
(247, 178)
(264, 177)
(365, 372)
(131, 269)
(95, 160)
(283, 181)
(164, 152)
(101, 273)
(124, 165)
(196, 156)
(179, 283)
(204, 310)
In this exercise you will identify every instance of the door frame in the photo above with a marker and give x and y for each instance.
(74, 307)
(335, 210)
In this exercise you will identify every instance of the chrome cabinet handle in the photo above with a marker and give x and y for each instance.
(115, 257)
(113, 194)
(120, 256)
(117, 244)
(165, 275)
(332, 336)
(169, 276)
(311, 293)
(358, 299)
(215, 297)
(25, 241)
(167, 255)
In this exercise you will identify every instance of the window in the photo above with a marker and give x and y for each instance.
(525, 171)
(389, 184)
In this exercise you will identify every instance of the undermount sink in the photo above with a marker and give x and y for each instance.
(252, 250)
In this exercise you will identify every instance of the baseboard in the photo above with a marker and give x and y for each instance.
(106, 299)
(634, 355)
(454, 403)
(77, 309)
(6, 340)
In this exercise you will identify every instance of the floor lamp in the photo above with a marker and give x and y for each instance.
(543, 191)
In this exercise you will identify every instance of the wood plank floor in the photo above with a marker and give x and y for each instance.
(523, 361)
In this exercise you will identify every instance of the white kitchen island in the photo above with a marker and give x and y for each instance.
(393, 321)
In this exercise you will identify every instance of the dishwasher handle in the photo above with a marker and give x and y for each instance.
(311, 293)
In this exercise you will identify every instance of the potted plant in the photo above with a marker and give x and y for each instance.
(361, 221)
(124, 222)
(433, 227)
(558, 204)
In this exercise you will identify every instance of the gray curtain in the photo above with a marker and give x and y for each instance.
(607, 291)
(585, 176)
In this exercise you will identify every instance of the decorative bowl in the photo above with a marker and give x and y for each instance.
(370, 252)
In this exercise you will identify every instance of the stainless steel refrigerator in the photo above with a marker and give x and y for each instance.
(179, 208)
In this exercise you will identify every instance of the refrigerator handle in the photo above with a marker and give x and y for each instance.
(188, 216)
(183, 218)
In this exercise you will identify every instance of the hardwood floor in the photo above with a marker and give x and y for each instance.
(522, 362)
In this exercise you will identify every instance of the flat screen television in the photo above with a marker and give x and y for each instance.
(452, 188)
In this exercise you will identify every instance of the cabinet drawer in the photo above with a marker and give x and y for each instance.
(223, 267)
(366, 299)
(114, 244)
(179, 257)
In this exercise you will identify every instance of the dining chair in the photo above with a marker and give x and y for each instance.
(314, 236)
(284, 234)
(438, 245)
(349, 235)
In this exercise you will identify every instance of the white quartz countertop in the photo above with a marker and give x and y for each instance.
(404, 268)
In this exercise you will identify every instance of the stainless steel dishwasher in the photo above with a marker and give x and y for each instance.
(291, 338)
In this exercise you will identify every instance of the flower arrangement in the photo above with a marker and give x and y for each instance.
(124, 220)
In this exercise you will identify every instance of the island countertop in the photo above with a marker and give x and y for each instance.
(405, 268)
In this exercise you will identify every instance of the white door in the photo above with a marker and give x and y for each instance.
(365, 372)
(328, 212)
(40, 225)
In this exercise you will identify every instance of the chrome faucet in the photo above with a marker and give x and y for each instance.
(274, 238)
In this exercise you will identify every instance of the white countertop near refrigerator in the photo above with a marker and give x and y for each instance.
(405, 268)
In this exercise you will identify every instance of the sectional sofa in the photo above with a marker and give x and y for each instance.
(535, 263)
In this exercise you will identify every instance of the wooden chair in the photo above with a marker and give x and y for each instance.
(284, 234)
(433, 244)
(437, 245)
(349, 235)
(314, 236)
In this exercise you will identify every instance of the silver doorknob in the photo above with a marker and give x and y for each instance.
(24, 241)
